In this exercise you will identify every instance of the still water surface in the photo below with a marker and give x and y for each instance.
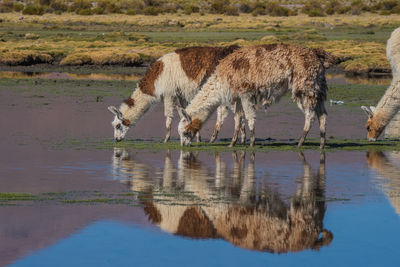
(188, 208)
(217, 208)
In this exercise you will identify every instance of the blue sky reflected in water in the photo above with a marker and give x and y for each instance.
(365, 234)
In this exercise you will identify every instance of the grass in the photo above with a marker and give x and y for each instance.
(130, 40)
(357, 94)
(222, 146)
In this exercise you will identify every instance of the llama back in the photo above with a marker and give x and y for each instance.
(185, 69)
(271, 69)
(393, 52)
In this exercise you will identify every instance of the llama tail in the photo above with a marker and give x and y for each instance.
(327, 59)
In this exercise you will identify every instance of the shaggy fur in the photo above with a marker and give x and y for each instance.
(175, 78)
(389, 104)
(259, 222)
(265, 73)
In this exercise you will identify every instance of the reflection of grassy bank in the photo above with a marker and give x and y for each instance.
(66, 87)
(130, 40)
(73, 197)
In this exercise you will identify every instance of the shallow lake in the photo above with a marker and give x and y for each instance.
(66, 204)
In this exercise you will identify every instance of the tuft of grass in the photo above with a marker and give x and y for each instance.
(4, 197)
(110, 57)
(222, 146)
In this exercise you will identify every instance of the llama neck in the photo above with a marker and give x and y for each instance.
(389, 104)
(141, 103)
(206, 101)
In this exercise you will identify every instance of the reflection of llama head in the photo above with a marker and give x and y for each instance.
(387, 166)
(198, 202)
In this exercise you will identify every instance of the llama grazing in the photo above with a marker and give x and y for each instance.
(380, 116)
(263, 72)
(175, 78)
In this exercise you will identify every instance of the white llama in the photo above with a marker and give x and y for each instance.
(380, 116)
(175, 78)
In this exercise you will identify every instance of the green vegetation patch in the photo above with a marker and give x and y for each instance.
(222, 146)
(356, 94)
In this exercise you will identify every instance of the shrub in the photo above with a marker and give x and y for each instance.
(344, 10)
(45, 2)
(332, 7)
(189, 9)
(80, 4)
(59, 6)
(98, 10)
(275, 9)
(113, 8)
(84, 12)
(6, 6)
(131, 11)
(313, 8)
(18, 7)
(389, 4)
(219, 6)
(231, 11)
(151, 11)
(245, 7)
(33, 10)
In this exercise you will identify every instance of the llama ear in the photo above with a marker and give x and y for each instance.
(183, 114)
(373, 109)
(367, 111)
(116, 112)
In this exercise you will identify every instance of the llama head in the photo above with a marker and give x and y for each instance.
(374, 125)
(185, 131)
(120, 125)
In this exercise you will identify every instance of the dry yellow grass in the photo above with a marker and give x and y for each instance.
(209, 21)
(111, 47)
(103, 57)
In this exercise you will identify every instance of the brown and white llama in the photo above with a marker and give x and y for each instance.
(231, 203)
(388, 106)
(263, 72)
(175, 78)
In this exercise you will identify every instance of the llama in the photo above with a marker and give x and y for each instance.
(175, 78)
(229, 204)
(388, 106)
(263, 72)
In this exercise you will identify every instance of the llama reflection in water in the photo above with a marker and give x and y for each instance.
(194, 201)
(388, 167)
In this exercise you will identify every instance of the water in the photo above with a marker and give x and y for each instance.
(121, 206)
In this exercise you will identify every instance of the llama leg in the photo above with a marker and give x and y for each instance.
(322, 128)
(168, 123)
(249, 109)
(198, 137)
(169, 114)
(238, 120)
(222, 112)
(242, 130)
(309, 118)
